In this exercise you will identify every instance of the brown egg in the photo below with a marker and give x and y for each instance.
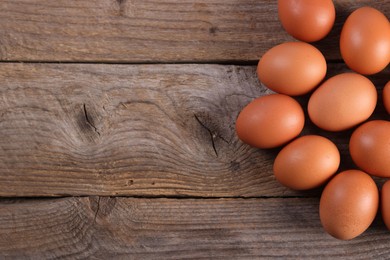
(369, 147)
(270, 121)
(307, 20)
(292, 68)
(385, 203)
(342, 102)
(306, 162)
(386, 97)
(365, 41)
(349, 204)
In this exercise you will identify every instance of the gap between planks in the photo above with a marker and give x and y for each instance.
(5, 198)
(187, 62)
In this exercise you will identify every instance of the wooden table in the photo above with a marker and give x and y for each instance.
(117, 134)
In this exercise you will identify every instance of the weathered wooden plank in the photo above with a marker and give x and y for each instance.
(120, 130)
(140, 130)
(150, 30)
(93, 228)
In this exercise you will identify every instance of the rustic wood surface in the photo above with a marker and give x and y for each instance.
(144, 130)
(128, 228)
(150, 30)
(105, 156)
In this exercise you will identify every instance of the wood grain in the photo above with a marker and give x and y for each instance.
(139, 130)
(127, 130)
(151, 131)
(151, 30)
(123, 228)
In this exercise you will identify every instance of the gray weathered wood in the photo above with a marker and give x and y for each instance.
(151, 130)
(150, 31)
(142, 130)
(123, 228)
(118, 129)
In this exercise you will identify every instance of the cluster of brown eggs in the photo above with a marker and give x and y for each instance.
(350, 199)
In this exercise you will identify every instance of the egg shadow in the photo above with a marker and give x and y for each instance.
(330, 44)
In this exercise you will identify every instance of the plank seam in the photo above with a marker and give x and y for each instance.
(185, 62)
(158, 197)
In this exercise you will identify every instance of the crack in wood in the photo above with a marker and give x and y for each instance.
(223, 139)
(213, 135)
(89, 121)
(125, 8)
(97, 210)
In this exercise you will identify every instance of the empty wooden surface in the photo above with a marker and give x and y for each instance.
(129, 228)
(103, 155)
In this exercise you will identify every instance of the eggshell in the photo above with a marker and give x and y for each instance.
(292, 68)
(306, 162)
(365, 41)
(342, 102)
(385, 203)
(349, 204)
(386, 97)
(369, 147)
(270, 121)
(307, 20)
